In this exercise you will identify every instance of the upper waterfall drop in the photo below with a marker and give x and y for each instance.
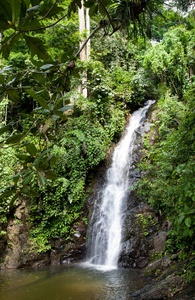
(106, 221)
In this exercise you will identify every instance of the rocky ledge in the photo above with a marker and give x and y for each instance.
(166, 281)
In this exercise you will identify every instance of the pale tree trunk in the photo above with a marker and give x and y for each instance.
(84, 54)
(81, 29)
(88, 33)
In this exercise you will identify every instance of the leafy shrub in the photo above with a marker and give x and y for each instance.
(169, 181)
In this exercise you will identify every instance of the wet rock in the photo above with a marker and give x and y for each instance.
(138, 241)
(159, 241)
(147, 127)
(161, 263)
(16, 247)
(165, 289)
(74, 250)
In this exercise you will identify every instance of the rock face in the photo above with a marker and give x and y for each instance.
(142, 237)
(164, 281)
(16, 247)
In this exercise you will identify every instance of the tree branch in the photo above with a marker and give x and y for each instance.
(85, 42)
(48, 11)
(41, 28)
(106, 12)
(24, 135)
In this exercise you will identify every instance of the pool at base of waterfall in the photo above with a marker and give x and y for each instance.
(72, 282)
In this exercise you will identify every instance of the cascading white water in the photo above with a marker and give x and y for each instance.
(106, 221)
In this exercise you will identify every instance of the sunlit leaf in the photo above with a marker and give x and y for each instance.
(65, 108)
(42, 179)
(47, 66)
(7, 68)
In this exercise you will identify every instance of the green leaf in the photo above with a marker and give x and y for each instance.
(31, 149)
(46, 126)
(5, 10)
(188, 222)
(40, 78)
(13, 95)
(5, 128)
(41, 100)
(8, 191)
(29, 24)
(14, 138)
(27, 2)
(15, 6)
(49, 159)
(53, 12)
(7, 44)
(27, 179)
(23, 157)
(26, 190)
(53, 160)
(58, 102)
(39, 158)
(7, 68)
(92, 11)
(55, 117)
(42, 179)
(15, 178)
(180, 219)
(107, 2)
(65, 108)
(88, 3)
(47, 66)
(37, 47)
(61, 115)
(51, 175)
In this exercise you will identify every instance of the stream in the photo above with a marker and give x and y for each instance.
(72, 282)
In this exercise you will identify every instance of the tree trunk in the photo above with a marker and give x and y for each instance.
(84, 54)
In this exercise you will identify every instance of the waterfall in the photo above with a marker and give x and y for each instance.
(107, 217)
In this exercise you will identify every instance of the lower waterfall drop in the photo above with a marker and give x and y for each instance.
(105, 229)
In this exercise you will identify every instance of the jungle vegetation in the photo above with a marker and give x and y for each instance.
(53, 139)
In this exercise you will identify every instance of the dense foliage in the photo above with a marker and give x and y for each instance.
(168, 161)
(50, 132)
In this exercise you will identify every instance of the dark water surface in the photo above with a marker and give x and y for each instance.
(72, 282)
